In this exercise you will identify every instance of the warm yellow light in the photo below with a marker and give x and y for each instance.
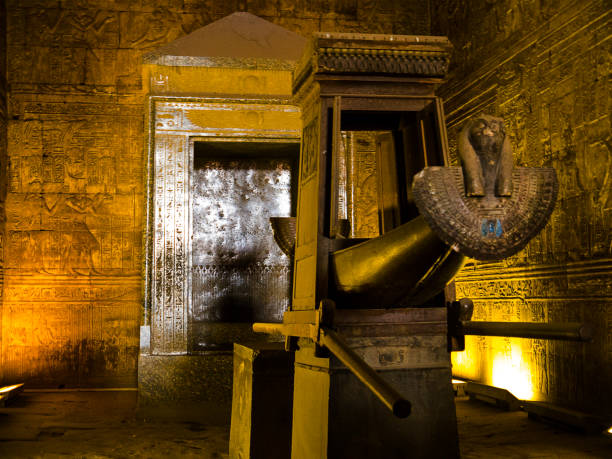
(9, 388)
(458, 381)
(466, 363)
(510, 371)
(610, 430)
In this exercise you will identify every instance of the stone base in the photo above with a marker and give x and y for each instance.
(262, 401)
(336, 416)
(181, 381)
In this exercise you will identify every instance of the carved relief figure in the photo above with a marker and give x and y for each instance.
(486, 155)
(309, 158)
(68, 244)
(79, 245)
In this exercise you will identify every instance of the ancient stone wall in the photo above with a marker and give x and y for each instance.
(3, 159)
(73, 271)
(544, 67)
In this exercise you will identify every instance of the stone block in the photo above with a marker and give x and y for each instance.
(262, 401)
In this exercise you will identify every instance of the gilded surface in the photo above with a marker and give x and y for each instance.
(309, 160)
(238, 118)
(362, 183)
(196, 80)
(543, 68)
(304, 277)
(261, 401)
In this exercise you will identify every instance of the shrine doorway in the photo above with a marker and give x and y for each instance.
(239, 275)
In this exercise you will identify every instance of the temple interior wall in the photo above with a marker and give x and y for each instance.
(544, 68)
(3, 157)
(73, 167)
(76, 146)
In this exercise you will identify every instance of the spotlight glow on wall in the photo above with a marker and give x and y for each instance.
(9, 388)
(510, 371)
(499, 362)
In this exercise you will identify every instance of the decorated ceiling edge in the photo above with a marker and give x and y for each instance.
(393, 55)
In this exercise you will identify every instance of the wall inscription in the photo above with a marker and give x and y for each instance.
(76, 170)
(550, 91)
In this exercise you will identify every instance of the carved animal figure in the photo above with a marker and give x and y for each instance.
(486, 155)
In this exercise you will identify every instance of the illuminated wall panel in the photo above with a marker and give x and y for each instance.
(3, 159)
(75, 208)
(542, 67)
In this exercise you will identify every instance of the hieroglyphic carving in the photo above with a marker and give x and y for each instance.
(75, 142)
(65, 242)
(64, 185)
(37, 64)
(48, 339)
(310, 150)
(546, 298)
(550, 90)
(175, 122)
(74, 219)
(147, 30)
(170, 244)
(575, 280)
(45, 23)
(79, 27)
(69, 46)
(362, 183)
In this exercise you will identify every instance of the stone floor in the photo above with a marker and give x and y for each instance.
(486, 432)
(105, 424)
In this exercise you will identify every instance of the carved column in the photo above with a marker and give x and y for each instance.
(171, 247)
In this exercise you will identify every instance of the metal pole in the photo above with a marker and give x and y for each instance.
(336, 345)
(372, 380)
(572, 331)
(270, 329)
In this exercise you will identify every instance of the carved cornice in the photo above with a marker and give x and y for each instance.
(394, 55)
(387, 61)
(243, 63)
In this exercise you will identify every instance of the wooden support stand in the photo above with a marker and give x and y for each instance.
(336, 416)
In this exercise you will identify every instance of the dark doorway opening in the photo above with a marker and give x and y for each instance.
(239, 275)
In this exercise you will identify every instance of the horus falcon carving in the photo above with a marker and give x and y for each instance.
(486, 156)
(487, 209)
